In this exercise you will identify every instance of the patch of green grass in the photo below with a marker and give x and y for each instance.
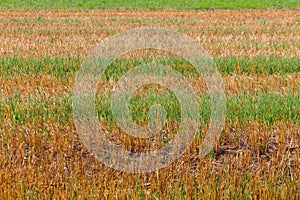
(58, 67)
(148, 4)
(258, 65)
(263, 107)
(24, 111)
(65, 68)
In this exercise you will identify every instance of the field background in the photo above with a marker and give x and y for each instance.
(257, 52)
(149, 5)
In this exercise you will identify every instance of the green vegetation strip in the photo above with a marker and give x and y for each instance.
(66, 67)
(263, 107)
(148, 4)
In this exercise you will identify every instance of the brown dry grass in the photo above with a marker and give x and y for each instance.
(45, 86)
(264, 161)
(222, 33)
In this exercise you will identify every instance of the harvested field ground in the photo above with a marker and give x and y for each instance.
(257, 157)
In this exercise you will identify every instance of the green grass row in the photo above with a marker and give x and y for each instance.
(262, 107)
(66, 67)
(148, 4)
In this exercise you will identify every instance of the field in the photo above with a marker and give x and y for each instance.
(256, 51)
(148, 4)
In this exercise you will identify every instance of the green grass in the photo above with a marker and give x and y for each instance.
(65, 68)
(148, 4)
(264, 107)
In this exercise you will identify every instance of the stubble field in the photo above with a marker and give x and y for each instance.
(257, 157)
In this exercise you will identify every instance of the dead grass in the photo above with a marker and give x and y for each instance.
(46, 86)
(249, 159)
(222, 33)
